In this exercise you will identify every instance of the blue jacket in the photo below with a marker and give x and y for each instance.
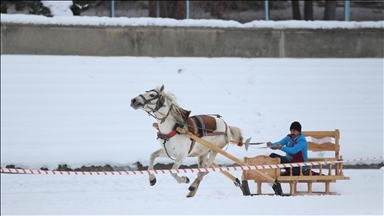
(296, 150)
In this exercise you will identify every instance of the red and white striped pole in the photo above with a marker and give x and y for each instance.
(188, 170)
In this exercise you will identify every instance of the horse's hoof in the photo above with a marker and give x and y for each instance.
(191, 194)
(191, 188)
(186, 180)
(152, 182)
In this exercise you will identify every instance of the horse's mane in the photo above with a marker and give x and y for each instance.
(179, 114)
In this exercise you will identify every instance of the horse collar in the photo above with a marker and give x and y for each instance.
(169, 135)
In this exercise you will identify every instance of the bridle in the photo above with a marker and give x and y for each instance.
(158, 104)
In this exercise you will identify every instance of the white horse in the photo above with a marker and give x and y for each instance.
(164, 107)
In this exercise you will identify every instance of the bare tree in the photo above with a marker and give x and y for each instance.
(308, 10)
(162, 9)
(176, 9)
(152, 8)
(330, 10)
(296, 10)
(4, 6)
(167, 9)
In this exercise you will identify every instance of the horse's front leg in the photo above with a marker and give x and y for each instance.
(179, 159)
(154, 155)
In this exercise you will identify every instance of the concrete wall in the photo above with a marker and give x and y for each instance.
(157, 41)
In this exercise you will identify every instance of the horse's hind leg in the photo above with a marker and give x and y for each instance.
(195, 185)
(202, 160)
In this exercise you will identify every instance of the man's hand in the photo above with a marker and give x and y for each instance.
(278, 146)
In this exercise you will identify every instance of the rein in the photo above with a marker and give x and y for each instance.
(161, 119)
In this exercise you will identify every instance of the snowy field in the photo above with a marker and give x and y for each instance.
(127, 195)
(76, 111)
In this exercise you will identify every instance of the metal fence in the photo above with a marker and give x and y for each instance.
(241, 11)
(228, 4)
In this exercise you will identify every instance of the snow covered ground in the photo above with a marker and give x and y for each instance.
(132, 195)
(75, 110)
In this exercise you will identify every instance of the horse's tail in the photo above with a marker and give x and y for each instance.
(237, 136)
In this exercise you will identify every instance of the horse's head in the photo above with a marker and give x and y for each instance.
(150, 101)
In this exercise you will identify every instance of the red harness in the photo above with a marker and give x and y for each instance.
(169, 135)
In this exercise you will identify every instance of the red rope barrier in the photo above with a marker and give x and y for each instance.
(192, 170)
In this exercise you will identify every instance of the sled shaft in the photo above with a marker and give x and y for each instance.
(233, 158)
(227, 174)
